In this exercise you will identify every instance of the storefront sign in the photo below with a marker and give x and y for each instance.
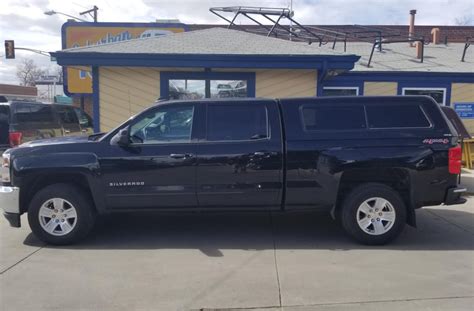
(75, 34)
(465, 110)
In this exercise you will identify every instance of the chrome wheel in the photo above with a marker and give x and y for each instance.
(57, 217)
(376, 216)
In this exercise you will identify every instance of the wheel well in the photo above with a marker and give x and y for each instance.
(33, 185)
(396, 178)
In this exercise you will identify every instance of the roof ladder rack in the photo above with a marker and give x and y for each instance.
(469, 40)
(295, 31)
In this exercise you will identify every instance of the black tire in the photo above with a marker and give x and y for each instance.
(80, 200)
(350, 215)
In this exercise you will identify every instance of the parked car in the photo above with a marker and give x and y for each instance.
(24, 121)
(369, 161)
(224, 90)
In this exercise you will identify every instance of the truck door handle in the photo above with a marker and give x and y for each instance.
(181, 155)
(264, 153)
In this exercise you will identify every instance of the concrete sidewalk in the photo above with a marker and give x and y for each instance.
(467, 180)
(245, 260)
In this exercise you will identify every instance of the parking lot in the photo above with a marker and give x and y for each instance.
(299, 261)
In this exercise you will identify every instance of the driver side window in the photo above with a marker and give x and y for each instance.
(170, 124)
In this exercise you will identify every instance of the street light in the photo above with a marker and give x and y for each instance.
(52, 12)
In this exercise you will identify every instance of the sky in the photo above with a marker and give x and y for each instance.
(25, 22)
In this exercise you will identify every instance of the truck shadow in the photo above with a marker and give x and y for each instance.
(438, 229)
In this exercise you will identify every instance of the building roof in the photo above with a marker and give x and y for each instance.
(10, 89)
(207, 41)
(214, 47)
(452, 34)
(400, 57)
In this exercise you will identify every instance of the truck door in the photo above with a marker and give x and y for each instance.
(240, 158)
(158, 168)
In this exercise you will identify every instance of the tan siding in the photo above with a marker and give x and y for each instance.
(380, 88)
(125, 91)
(285, 83)
(461, 93)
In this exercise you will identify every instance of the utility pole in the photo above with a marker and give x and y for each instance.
(92, 12)
(291, 21)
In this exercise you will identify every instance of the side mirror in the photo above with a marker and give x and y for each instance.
(121, 138)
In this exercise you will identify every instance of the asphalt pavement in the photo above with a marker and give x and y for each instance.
(255, 261)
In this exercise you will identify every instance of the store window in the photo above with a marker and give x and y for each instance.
(340, 91)
(187, 89)
(438, 94)
(228, 88)
(198, 85)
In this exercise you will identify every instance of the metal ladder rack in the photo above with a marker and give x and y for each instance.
(294, 32)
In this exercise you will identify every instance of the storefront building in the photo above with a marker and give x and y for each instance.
(217, 63)
(130, 76)
(398, 71)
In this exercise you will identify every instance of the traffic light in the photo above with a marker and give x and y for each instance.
(9, 49)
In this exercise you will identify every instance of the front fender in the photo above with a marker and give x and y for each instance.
(26, 169)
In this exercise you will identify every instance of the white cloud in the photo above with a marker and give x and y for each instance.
(25, 22)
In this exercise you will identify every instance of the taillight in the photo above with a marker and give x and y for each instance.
(15, 138)
(455, 157)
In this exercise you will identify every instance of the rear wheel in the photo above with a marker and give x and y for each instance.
(61, 214)
(373, 214)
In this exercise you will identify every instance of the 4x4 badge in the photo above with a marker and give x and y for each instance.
(431, 141)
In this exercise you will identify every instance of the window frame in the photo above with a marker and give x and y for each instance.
(206, 114)
(207, 76)
(341, 88)
(153, 110)
(444, 89)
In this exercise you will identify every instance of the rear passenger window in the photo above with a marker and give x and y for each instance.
(4, 113)
(4, 124)
(396, 116)
(319, 117)
(33, 113)
(67, 115)
(236, 122)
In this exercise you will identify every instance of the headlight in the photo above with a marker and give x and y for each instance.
(6, 168)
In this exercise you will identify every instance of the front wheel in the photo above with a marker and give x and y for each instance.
(61, 214)
(373, 214)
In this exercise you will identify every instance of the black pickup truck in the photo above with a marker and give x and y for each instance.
(369, 161)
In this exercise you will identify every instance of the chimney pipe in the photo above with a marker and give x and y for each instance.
(419, 50)
(411, 29)
(435, 35)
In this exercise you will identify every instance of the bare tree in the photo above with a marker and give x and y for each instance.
(59, 74)
(28, 72)
(465, 20)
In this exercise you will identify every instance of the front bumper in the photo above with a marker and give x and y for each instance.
(453, 196)
(10, 203)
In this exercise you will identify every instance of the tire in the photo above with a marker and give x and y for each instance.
(373, 214)
(61, 214)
